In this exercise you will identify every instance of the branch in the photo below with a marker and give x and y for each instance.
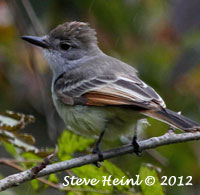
(11, 163)
(168, 138)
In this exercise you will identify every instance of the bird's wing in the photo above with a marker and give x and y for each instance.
(108, 90)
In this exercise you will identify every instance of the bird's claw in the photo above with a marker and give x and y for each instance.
(96, 150)
(136, 147)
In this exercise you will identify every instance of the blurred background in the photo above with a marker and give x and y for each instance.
(160, 38)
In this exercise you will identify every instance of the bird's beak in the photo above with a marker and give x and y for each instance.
(38, 41)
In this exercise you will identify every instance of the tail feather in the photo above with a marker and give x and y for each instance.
(174, 119)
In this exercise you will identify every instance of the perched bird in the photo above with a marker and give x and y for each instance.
(95, 93)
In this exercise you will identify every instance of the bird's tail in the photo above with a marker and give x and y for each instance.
(174, 119)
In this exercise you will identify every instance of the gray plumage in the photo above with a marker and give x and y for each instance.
(93, 91)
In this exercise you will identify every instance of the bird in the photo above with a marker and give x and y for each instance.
(99, 96)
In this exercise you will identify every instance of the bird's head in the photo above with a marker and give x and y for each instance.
(67, 44)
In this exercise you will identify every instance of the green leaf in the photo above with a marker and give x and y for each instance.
(35, 184)
(53, 178)
(10, 149)
(116, 173)
(156, 188)
(69, 143)
(107, 169)
(29, 155)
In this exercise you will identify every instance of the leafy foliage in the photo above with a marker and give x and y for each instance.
(69, 144)
(10, 125)
(156, 188)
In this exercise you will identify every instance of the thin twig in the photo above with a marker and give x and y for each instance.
(2, 160)
(32, 16)
(44, 163)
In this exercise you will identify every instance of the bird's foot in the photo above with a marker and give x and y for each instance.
(96, 150)
(136, 147)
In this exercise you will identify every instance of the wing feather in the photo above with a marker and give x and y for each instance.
(111, 90)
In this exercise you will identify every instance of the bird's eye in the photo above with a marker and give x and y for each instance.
(64, 46)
